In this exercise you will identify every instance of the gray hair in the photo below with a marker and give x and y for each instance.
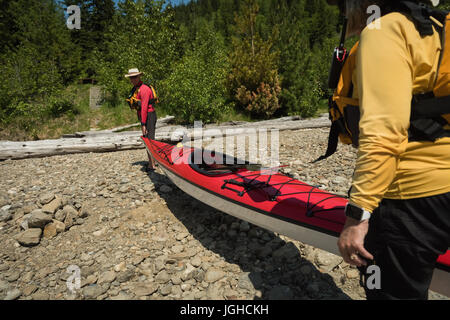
(355, 11)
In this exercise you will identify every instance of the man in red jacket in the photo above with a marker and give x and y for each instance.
(145, 110)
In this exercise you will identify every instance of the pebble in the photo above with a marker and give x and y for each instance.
(213, 275)
(29, 237)
(53, 206)
(38, 219)
(93, 291)
(106, 277)
(13, 294)
(144, 289)
(352, 274)
(162, 277)
(327, 261)
(196, 261)
(280, 293)
(125, 276)
(40, 295)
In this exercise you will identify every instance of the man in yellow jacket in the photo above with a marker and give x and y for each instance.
(401, 188)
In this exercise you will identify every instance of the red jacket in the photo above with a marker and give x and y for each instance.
(145, 94)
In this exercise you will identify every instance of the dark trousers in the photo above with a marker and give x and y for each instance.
(406, 237)
(150, 124)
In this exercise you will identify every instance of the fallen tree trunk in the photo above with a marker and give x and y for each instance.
(118, 141)
(159, 124)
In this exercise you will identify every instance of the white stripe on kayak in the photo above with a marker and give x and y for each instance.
(308, 236)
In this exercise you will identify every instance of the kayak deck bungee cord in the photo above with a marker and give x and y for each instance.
(264, 197)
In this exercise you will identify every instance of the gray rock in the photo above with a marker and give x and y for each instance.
(5, 215)
(181, 236)
(71, 216)
(244, 226)
(13, 275)
(30, 237)
(176, 291)
(263, 252)
(327, 261)
(196, 261)
(40, 295)
(93, 291)
(53, 206)
(143, 289)
(188, 273)
(165, 189)
(14, 294)
(162, 277)
(177, 248)
(339, 180)
(125, 188)
(46, 197)
(30, 289)
(4, 285)
(125, 276)
(122, 296)
(85, 211)
(213, 275)
(281, 293)
(60, 215)
(286, 252)
(38, 219)
(106, 277)
(166, 290)
(49, 231)
(214, 292)
(176, 280)
(244, 282)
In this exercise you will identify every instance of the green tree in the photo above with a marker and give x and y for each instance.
(254, 78)
(196, 90)
(142, 35)
(43, 59)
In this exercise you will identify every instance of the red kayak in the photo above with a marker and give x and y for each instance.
(264, 198)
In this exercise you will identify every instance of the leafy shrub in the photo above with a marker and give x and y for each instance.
(196, 90)
(262, 103)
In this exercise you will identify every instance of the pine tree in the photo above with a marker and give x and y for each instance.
(254, 77)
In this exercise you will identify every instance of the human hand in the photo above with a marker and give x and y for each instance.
(351, 242)
(144, 131)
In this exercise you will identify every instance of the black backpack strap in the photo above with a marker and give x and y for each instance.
(333, 140)
(428, 106)
(420, 14)
(427, 130)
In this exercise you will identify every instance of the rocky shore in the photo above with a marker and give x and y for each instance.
(133, 235)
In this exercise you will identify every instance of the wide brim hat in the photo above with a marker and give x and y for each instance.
(336, 2)
(133, 73)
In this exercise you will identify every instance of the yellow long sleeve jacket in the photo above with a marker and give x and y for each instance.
(394, 63)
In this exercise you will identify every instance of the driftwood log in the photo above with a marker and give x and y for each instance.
(111, 140)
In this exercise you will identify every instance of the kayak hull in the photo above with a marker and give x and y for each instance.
(298, 232)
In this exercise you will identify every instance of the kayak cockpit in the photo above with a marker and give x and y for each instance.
(211, 163)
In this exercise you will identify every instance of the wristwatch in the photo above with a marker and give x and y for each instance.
(356, 212)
